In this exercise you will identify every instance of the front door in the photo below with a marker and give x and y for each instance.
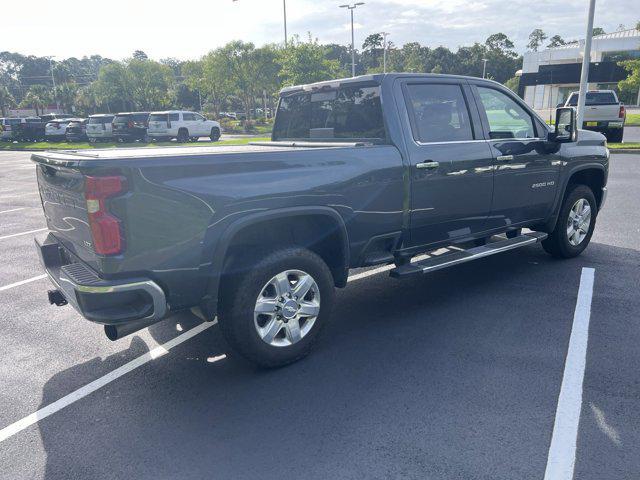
(451, 164)
(526, 166)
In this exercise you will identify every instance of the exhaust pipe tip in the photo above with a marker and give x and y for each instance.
(116, 332)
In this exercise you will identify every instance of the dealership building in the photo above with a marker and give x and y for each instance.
(548, 76)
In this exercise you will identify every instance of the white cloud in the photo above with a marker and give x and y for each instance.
(190, 28)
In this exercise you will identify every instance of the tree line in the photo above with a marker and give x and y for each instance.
(235, 77)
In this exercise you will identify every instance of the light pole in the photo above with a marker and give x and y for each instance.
(353, 42)
(586, 59)
(484, 67)
(384, 51)
(284, 10)
(53, 81)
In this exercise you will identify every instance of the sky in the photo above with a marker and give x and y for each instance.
(187, 29)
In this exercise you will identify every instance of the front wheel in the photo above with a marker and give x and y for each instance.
(273, 313)
(575, 225)
(215, 134)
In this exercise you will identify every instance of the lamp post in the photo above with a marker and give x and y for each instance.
(384, 52)
(53, 81)
(284, 10)
(484, 67)
(353, 43)
(586, 59)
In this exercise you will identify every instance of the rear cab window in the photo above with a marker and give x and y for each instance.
(350, 112)
(121, 119)
(594, 98)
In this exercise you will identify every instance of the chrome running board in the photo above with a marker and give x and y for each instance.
(439, 262)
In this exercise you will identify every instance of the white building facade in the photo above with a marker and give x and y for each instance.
(548, 76)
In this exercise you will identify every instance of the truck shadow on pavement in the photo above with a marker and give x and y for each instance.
(452, 375)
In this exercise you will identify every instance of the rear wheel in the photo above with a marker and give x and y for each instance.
(215, 134)
(615, 135)
(273, 313)
(183, 135)
(575, 225)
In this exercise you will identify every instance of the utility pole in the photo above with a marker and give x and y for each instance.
(353, 42)
(586, 59)
(284, 9)
(384, 52)
(484, 67)
(53, 81)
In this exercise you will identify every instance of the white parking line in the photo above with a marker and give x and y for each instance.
(13, 210)
(159, 351)
(23, 233)
(562, 451)
(22, 282)
(100, 382)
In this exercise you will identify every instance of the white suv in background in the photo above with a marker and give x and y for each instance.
(181, 125)
(99, 127)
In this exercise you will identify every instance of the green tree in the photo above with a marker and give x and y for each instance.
(513, 83)
(6, 100)
(306, 62)
(139, 55)
(630, 86)
(499, 42)
(37, 97)
(65, 94)
(151, 84)
(598, 31)
(536, 38)
(114, 87)
(556, 41)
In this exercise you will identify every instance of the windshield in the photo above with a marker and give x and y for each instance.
(594, 98)
(348, 113)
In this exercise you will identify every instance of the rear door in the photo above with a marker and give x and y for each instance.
(526, 167)
(451, 164)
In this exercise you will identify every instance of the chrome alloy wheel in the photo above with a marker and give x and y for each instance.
(287, 307)
(578, 222)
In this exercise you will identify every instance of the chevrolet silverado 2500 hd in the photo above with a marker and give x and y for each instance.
(363, 171)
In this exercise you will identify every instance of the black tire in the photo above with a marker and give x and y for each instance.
(183, 135)
(615, 135)
(241, 291)
(215, 134)
(558, 244)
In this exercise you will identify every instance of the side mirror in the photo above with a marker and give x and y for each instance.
(566, 129)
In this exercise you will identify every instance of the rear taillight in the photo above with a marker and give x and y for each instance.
(622, 112)
(130, 124)
(105, 228)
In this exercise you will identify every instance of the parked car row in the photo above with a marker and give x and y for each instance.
(122, 127)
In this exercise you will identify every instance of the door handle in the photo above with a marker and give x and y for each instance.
(428, 164)
(504, 158)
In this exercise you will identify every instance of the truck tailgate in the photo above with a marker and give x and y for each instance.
(601, 113)
(65, 209)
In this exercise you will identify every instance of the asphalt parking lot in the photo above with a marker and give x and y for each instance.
(455, 375)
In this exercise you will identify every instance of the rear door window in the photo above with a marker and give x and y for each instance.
(439, 113)
(506, 117)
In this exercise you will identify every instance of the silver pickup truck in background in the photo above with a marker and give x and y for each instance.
(603, 113)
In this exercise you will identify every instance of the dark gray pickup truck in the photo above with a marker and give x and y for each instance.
(364, 171)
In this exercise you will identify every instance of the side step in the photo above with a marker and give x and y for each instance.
(434, 263)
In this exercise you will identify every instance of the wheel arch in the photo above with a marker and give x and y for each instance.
(593, 175)
(320, 229)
